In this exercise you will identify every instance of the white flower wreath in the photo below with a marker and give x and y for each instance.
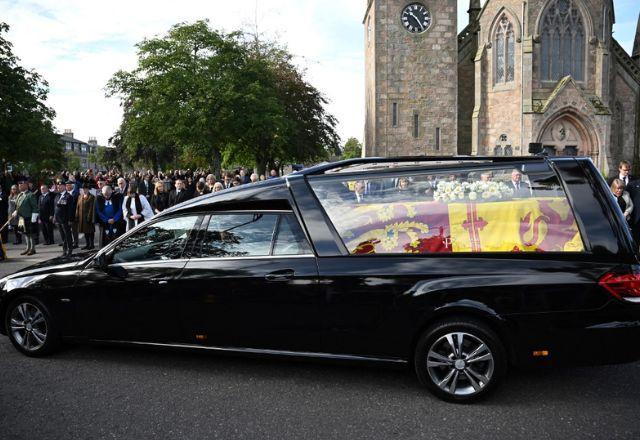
(457, 191)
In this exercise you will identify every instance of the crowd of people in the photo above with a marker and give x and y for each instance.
(112, 202)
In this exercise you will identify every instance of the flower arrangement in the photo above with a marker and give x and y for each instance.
(473, 191)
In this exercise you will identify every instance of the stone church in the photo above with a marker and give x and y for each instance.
(536, 71)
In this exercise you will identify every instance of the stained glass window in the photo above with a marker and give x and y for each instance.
(563, 42)
(505, 51)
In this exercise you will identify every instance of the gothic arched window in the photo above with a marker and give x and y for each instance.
(563, 42)
(505, 51)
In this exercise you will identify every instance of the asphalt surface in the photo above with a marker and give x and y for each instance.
(99, 392)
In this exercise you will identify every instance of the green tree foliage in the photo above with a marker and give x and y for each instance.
(352, 149)
(199, 96)
(27, 138)
(72, 162)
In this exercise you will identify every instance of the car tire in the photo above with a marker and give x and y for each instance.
(31, 327)
(460, 360)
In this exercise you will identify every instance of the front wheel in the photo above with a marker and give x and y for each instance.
(459, 360)
(30, 327)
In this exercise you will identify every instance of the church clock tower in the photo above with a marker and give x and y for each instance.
(411, 58)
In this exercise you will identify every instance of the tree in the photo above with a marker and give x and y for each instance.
(288, 122)
(178, 102)
(352, 149)
(72, 162)
(27, 136)
(199, 96)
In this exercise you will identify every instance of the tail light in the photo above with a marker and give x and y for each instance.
(624, 286)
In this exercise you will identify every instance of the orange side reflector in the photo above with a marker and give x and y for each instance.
(201, 337)
(541, 353)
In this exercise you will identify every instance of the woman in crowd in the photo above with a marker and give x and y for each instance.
(623, 198)
(86, 216)
(13, 222)
(160, 198)
(217, 187)
(135, 208)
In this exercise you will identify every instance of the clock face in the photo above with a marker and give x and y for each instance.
(416, 18)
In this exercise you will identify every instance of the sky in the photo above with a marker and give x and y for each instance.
(77, 45)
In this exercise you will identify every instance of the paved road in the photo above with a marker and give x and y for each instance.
(93, 392)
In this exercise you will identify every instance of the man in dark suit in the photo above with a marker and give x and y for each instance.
(520, 189)
(64, 212)
(227, 180)
(179, 195)
(145, 186)
(46, 202)
(624, 168)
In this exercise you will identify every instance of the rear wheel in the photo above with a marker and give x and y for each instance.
(30, 327)
(459, 360)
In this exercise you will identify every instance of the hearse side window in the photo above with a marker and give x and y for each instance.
(252, 235)
(239, 235)
(163, 240)
(290, 239)
(464, 210)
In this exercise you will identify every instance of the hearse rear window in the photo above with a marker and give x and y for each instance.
(474, 210)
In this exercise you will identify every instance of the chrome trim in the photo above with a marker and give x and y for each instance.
(187, 260)
(250, 211)
(149, 263)
(306, 354)
(263, 257)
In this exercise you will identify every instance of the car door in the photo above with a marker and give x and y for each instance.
(133, 295)
(252, 283)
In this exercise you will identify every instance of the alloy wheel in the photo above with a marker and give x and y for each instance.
(28, 326)
(460, 364)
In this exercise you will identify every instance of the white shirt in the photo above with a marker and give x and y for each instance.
(625, 179)
(147, 212)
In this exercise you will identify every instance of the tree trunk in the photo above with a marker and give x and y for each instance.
(217, 163)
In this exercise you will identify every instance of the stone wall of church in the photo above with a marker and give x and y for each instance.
(501, 105)
(370, 80)
(466, 91)
(624, 131)
(417, 72)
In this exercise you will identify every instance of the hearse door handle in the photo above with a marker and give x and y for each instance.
(160, 281)
(280, 275)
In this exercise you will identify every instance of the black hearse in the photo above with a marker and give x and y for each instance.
(458, 267)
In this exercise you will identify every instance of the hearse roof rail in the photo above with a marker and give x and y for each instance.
(377, 163)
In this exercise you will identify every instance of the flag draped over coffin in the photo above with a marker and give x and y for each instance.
(520, 225)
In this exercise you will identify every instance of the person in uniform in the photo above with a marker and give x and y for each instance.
(27, 213)
(64, 212)
(46, 206)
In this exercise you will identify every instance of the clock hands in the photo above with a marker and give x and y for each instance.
(416, 19)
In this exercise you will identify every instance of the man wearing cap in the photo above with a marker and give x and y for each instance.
(27, 213)
(64, 211)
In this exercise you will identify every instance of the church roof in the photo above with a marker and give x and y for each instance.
(624, 60)
(636, 43)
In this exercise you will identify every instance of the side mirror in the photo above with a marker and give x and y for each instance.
(117, 271)
(103, 260)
